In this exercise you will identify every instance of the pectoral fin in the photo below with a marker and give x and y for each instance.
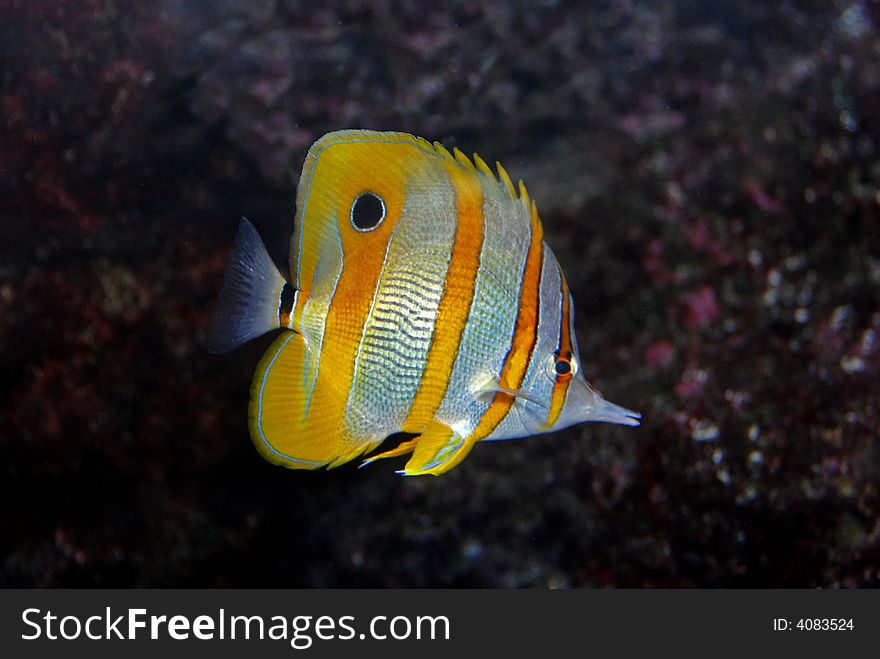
(493, 387)
(437, 450)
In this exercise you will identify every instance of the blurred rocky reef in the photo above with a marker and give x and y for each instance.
(708, 173)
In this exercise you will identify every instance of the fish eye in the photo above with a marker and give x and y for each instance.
(367, 211)
(561, 366)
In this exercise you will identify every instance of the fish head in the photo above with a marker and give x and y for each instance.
(584, 403)
(569, 399)
(556, 393)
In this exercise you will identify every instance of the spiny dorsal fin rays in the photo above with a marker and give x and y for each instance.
(505, 179)
(483, 167)
(524, 194)
(463, 159)
(479, 165)
(423, 143)
(443, 151)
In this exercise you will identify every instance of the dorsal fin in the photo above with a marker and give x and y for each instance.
(517, 193)
(463, 159)
(425, 144)
(523, 193)
(442, 150)
(505, 179)
(483, 167)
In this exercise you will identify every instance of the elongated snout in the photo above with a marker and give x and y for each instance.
(584, 403)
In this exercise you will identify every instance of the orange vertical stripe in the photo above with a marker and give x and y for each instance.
(336, 184)
(560, 389)
(458, 295)
(524, 339)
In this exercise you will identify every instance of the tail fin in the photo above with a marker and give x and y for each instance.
(250, 296)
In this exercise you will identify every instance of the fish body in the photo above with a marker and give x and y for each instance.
(423, 299)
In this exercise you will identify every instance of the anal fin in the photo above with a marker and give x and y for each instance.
(285, 428)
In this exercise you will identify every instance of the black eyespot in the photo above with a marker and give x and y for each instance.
(367, 211)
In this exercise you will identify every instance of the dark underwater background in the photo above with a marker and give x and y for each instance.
(707, 173)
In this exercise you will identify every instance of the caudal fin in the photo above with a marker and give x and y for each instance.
(250, 296)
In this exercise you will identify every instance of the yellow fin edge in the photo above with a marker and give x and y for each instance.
(518, 193)
(277, 414)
